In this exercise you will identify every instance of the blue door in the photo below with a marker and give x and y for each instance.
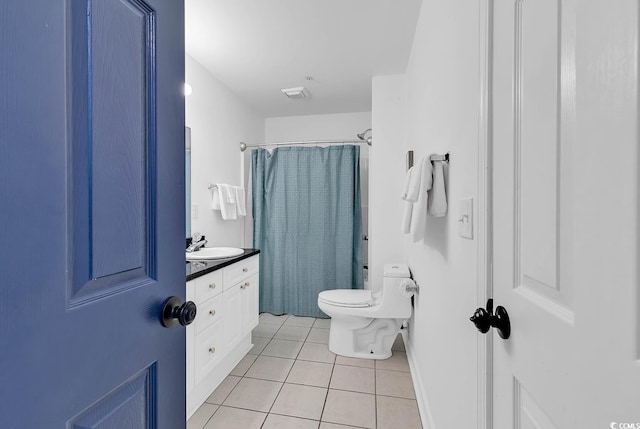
(92, 216)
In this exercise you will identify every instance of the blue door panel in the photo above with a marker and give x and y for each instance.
(92, 232)
(113, 113)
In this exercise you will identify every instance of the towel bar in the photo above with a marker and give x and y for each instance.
(444, 158)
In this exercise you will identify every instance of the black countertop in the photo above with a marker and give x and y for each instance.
(197, 269)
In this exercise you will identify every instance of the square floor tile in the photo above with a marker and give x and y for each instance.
(398, 344)
(201, 416)
(253, 394)
(397, 362)
(270, 368)
(259, 344)
(222, 391)
(310, 373)
(394, 413)
(317, 353)
(350, 408)
(265, 330)
(300, 401)
(307, 322)
(353, 378)
(365, 363)
(243, 365)
(293, 333)
(271, 318)
(322, 323)
(318, 335)
(394, 383)
(227, 417)
(276, 421)
(282, 348)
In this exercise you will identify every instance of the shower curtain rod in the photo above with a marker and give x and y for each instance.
(244, 146)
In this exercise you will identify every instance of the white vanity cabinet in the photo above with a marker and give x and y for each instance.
(220, 336)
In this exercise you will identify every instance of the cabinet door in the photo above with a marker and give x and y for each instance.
(250, 296)
(232, 308)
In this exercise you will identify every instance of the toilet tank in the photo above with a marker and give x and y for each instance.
(392, 303)
(396, 271)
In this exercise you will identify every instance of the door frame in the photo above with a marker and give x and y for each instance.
(485, 215)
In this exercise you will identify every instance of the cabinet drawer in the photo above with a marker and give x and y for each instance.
(239, 271)
(209, 312)
(209, 349)
(208, 286)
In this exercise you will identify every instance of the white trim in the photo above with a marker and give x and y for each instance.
(485, 286)
(421, 393)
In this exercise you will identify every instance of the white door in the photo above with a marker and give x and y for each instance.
(565, 210)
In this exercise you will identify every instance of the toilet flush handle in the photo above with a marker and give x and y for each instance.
(408, 288)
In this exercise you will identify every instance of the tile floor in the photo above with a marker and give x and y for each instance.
(290, 379)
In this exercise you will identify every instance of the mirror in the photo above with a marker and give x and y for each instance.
(187, 179)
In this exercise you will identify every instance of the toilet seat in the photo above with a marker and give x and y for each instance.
(353, 298)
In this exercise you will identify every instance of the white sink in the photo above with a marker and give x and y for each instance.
(214, 253)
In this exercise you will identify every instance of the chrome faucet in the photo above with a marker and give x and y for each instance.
(196, 243)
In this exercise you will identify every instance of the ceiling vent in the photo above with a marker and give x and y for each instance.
(298, 92)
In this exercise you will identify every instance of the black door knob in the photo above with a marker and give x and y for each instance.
(486, 319)
(174, 312)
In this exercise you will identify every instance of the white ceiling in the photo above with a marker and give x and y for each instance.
(257, 47)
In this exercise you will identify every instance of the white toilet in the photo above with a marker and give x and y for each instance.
(365, 324)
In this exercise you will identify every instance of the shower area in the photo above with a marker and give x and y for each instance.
(309, 207)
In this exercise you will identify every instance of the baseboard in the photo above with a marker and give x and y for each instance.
(421, 394)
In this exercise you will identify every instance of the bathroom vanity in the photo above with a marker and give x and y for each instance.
(226, 293)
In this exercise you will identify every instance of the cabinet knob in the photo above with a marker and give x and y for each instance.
(245, 269)
(247, 284)
(212, 350)
(212, 312)
(212, 286)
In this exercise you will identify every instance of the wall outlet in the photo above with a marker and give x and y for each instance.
(194, 211)
(465, 218)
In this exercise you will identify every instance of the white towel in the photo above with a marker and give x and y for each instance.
(215, 199)
(438, 194)
(411, 185)
(240, 201)
(419, 212)
(228, 193)
(226, 197)
(406, 217)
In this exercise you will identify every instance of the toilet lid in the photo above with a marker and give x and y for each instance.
(347, 297)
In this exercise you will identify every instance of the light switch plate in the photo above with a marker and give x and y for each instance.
(465, 218)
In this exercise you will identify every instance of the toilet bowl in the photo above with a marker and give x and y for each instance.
(365, 324)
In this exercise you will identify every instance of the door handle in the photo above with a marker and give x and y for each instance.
(486, 319)
(174, 312)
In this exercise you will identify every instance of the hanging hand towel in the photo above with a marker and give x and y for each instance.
(215, 199)
(240, 201)
(411, 184)
(438, 197)
(419, 212)
(228, 207)
(406, 217)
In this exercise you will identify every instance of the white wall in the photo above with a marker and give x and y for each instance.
(387, 170)
(316, 127)
(219, 121)
(442, 116)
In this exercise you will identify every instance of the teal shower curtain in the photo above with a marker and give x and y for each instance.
(307, 224)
